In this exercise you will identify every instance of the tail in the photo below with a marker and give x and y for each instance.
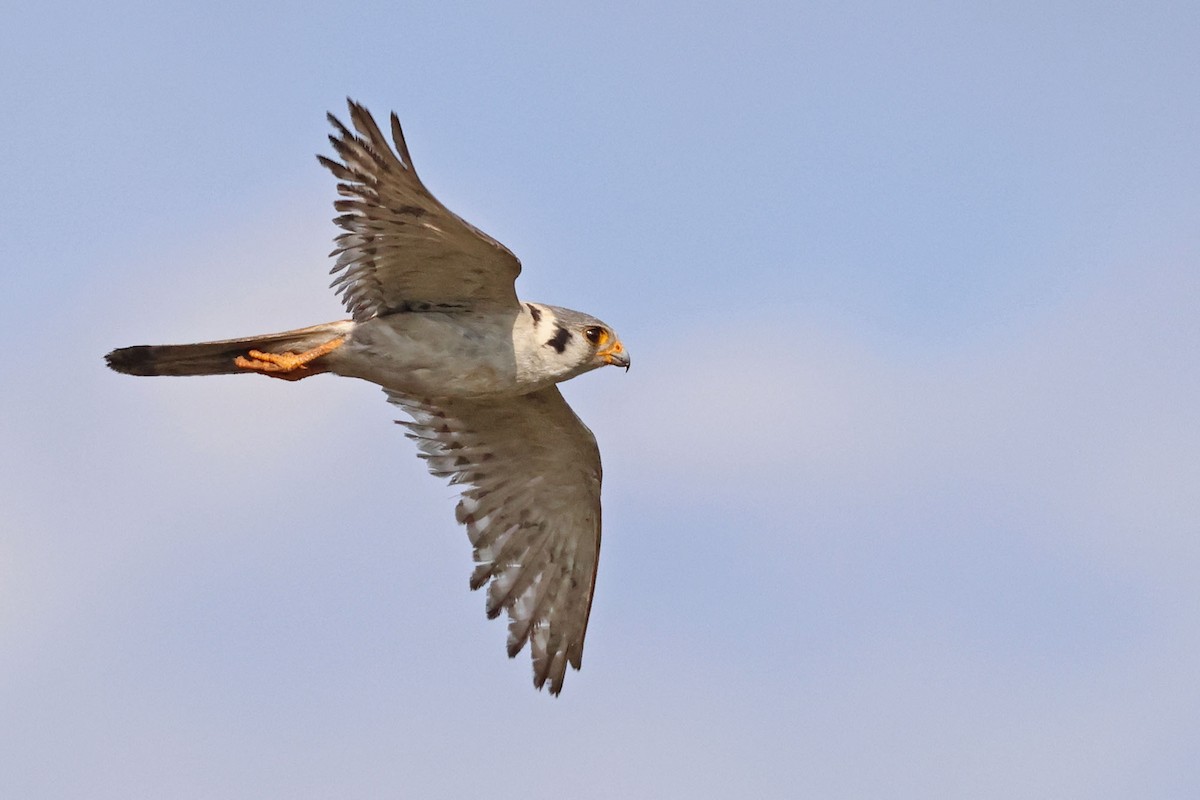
(216, 358)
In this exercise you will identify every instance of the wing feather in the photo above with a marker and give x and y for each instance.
(531, 505)
(400, 248)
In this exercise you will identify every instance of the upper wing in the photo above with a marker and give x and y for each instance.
(532, 510)
(402, 249)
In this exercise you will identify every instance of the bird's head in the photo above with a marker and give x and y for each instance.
(581, 340)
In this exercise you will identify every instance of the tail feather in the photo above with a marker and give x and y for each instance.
(216, 358)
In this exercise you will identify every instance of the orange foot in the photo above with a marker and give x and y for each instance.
(288, 366)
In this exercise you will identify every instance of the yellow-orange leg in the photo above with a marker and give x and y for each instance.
(288, 366)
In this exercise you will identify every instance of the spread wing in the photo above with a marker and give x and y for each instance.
(402, 249)
(531, 504)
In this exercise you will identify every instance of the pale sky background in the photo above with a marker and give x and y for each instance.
(902, 492)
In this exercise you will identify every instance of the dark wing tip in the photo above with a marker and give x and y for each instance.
(401, 144)
(364, 123)
(555, 687)
(337, 125)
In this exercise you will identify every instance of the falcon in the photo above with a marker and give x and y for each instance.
(435, 321)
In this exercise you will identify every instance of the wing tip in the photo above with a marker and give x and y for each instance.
(401, 144)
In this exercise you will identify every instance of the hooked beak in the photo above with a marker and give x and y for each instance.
(615, 355)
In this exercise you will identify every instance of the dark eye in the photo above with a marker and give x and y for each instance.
(595, 335)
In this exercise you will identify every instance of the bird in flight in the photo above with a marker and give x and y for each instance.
(436, 322)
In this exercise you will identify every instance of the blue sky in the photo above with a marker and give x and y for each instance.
(902, 493)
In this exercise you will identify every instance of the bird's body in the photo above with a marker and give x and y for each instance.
(453, 354)
(437, 324)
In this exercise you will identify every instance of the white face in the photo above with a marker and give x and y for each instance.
(570, 343)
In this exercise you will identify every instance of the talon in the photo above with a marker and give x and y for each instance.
(289, 366)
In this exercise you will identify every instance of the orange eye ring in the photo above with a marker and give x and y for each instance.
(595, 335)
